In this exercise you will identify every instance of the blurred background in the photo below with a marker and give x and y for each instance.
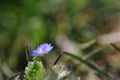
(82, 27)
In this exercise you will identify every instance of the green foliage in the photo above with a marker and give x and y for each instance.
(34, 71)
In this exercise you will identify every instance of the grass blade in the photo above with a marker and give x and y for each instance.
(26, 53)
(114, 46)
(58, 58)
(89, 65)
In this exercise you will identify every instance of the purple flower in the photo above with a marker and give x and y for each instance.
(42, 49)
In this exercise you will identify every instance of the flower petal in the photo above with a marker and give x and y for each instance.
(42, 49)
(45, 47)
(34, 53)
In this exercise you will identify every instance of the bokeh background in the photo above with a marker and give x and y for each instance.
(82, 27)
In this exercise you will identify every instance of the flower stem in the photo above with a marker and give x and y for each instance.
(34, 58)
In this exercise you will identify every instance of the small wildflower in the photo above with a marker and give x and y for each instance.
(42, 49)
